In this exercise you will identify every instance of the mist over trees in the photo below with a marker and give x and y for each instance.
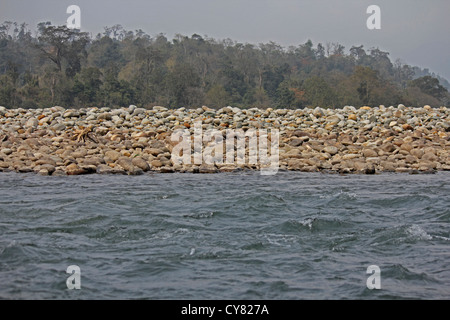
(59, 66)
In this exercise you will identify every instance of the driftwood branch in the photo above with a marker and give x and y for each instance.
(83, 134)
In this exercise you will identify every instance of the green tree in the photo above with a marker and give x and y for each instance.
(7, 92)
(373, 90)
(273, 77)
(182, 83)
(30, 92)
(413, 96)
(105, 51)
(318, 93)
(149, 74)
(217, 97)
(261, 98)
(87, 86)
(366, 81)
(233, 81)
(115, 92)
(430, 86)
(285, 96)
(57, 65)
(60, 44)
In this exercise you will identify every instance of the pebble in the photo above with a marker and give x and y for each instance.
(135, 140)
(31, 123)
(140, 163)
(6, 151)
(369, 153)
(113, 155)
(331, 150)
(74, 169)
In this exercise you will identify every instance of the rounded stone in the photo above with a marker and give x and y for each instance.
(6, 151)
(369, 153)
(331, 150)
(113, 155)
(140, 163)
(32, 123)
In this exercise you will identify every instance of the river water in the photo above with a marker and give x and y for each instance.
(225, 236)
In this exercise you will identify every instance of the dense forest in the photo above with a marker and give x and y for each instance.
(59, 66)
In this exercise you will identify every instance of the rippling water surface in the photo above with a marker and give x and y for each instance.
(225, 236)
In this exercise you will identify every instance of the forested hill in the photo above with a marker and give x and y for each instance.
(58, 66)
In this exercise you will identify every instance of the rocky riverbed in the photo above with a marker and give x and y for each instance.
(59, 141)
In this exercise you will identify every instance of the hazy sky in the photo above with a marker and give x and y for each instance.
(416, 31)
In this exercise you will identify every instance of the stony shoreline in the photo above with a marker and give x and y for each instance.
(58, 141)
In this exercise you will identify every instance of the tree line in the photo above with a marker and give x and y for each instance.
(116, 68)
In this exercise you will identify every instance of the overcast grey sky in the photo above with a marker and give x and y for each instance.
(416, 31)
